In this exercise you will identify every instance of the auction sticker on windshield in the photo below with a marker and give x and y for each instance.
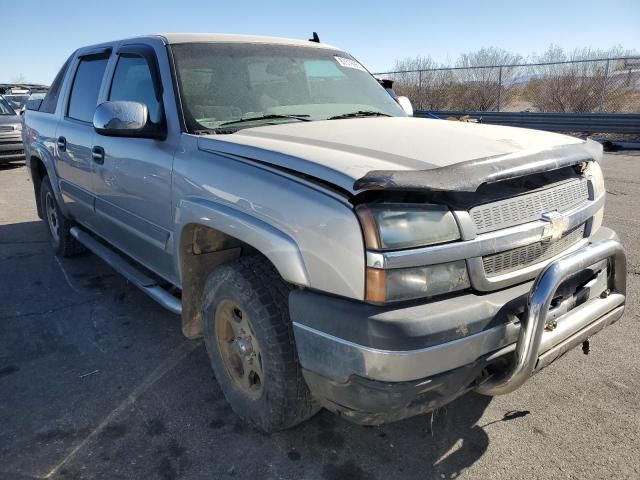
(349, 63)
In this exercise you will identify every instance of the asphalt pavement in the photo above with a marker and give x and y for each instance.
(96, 382)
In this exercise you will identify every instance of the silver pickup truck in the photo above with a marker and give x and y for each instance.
(331, 250)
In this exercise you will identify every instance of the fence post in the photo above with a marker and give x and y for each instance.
(420, 99)
(499, 86)
(604, 86)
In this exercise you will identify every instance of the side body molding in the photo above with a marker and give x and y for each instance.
(276, 245)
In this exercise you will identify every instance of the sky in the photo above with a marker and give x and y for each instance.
(36, 43)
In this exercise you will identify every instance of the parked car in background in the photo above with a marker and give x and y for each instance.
(331, 250)
(11, 147)
(403, 101)
(16, 97)
(18, 94)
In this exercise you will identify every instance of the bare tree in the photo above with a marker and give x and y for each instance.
(485, 77)
(487, 80)
(581, 86)
(19, 79)
(473, 85)
(423, 82)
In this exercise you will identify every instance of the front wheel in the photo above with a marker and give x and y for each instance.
(249, 339)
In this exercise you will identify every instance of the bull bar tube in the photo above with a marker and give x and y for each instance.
(527, 350)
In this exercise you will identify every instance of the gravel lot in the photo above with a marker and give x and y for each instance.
(96, 381)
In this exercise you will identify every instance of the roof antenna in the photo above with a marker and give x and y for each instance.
(315, 38)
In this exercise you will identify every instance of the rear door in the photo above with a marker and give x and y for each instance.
(74, 135)
(133, 182)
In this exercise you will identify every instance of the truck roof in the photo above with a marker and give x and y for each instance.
(174, 38)
(177, 38)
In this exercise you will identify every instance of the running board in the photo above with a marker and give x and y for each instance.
(139, 279)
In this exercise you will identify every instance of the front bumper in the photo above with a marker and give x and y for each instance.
(375, 364)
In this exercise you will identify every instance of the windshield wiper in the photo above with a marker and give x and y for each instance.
(302, 118)
(359, 113)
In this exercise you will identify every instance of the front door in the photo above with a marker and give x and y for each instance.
(133, 182)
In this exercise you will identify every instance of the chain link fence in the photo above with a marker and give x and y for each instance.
(583, 86)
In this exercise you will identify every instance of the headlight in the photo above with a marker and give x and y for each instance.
(389, 226)
(397, 226)
(416, 282)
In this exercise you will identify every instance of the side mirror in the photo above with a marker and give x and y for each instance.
(125, 119)
(405, 103)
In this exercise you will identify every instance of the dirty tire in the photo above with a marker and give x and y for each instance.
(64, 244)
(283, 399)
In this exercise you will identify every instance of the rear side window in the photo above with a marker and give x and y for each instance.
(51, 98)
(132, 82)
(85, 89)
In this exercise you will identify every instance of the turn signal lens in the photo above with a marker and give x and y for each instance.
(594, 173)
(416, 282)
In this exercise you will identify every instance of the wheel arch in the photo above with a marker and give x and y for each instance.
(210, 234)
(38, 171)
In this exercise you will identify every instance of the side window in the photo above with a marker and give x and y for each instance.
(50, 100)
(86, 87)
(132, 82)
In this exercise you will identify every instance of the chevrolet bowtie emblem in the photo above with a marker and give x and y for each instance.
(556, 225)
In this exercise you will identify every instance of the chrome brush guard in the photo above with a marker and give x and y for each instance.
(536, 347)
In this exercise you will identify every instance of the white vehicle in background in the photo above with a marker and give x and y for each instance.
(19, 95)
(16, 97)
(403, 101)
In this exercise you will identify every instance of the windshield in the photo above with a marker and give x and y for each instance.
(17, 101)
(5, 108)
(222, 83)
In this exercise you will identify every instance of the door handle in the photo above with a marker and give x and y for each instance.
(62, 144)
(97, 154)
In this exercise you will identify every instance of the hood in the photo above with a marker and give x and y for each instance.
(343, 152)
(10, 120)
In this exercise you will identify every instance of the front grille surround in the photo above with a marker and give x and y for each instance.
(490, 217)
(522, 257)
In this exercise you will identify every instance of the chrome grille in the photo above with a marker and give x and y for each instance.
(528, 208)
(522, 257)
(6, 128)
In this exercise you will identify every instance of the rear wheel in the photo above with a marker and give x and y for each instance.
(249, 339)
(58, 226)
